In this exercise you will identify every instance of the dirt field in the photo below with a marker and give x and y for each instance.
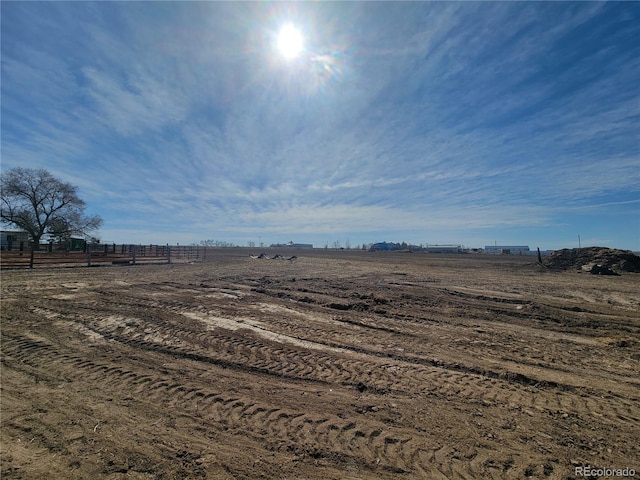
(335, 365)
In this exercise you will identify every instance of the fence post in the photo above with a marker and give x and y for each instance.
(133, 249)
(168, 254)
(88, 257)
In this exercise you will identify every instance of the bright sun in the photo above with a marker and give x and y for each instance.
(290, 42)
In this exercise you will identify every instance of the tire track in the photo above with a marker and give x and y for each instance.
(333, 435)
(410, 333)
(414, 406)
(374, 371)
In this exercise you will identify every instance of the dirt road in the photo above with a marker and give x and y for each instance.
(333, 365)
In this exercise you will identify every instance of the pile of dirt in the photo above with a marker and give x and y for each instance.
(587, 258)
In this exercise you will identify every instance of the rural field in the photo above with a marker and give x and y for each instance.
(333, 365)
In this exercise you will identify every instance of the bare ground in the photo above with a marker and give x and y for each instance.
(334, 365)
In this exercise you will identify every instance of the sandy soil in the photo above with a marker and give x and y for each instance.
(335, 365)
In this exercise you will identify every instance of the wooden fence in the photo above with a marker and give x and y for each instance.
(102, 254)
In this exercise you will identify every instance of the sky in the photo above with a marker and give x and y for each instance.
(467, 123)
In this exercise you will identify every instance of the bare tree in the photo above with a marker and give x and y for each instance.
(216, 243)
(39, 203)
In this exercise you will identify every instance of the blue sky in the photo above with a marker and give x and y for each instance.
(473, 123)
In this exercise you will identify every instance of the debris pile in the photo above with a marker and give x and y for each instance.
(598, 269)
(595, 260)
(275, 257)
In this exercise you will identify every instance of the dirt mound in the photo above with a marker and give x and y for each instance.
(586, 258)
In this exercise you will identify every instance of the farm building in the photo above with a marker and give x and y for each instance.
(384, 246)
(444, 249)
(11, 239)
(507, 250)
(71, 244)
(292, 245)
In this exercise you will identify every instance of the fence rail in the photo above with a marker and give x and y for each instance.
(102, 254)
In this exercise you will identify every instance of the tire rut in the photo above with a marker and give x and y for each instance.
(334, 435)
(400, 374)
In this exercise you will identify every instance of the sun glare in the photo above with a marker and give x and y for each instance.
(290, 42)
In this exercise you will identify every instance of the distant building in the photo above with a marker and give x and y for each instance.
(11, 239)
(384, 246)
(76, 244)
(300, 245)
(444, 249)
(292, 245)
(506, 249)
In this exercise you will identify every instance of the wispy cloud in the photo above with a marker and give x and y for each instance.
(456, 118)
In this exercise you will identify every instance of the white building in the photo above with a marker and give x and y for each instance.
(507, 249)
(443, 248)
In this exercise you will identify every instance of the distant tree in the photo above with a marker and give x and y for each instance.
(216, 243)
(39, 203)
